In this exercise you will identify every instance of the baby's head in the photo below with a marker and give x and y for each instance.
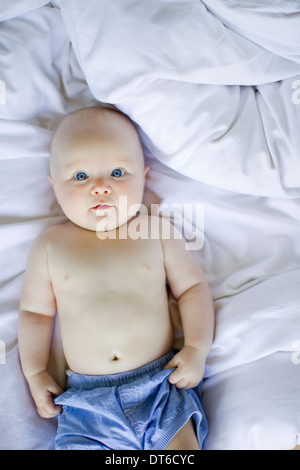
(97, 168)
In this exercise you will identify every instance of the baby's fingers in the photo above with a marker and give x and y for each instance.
(176, 377)
(46, 407)
(183, 378)
(172, 364)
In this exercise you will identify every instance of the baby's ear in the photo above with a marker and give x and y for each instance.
(146, 171)
(51, 181)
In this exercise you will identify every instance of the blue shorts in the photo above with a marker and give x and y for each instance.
(135, 410)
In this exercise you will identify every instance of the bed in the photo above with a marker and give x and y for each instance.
(214, 88)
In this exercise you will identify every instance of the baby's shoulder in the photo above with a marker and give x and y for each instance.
(51, 235)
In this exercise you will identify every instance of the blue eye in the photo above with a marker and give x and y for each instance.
(81, 176)
(117, 173)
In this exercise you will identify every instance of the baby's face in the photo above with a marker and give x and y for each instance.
(98, 175)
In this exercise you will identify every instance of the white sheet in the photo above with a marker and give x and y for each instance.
(218, 102)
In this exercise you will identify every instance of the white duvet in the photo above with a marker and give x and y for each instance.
(214, 86)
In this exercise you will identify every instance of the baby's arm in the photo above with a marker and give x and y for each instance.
(37, 313)
(189, 286)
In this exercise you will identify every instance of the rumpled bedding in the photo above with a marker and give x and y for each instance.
(214, 88)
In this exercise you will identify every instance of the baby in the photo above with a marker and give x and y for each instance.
(126, 388)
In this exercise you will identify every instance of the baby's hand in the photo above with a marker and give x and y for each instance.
(43, 389)
(189, 366)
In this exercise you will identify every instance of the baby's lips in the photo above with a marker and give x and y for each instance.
(102, 206)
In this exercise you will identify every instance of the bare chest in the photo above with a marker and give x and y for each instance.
(99, 267)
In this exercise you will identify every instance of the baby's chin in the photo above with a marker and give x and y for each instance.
(102, 225)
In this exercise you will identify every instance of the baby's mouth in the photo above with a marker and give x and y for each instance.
(102, 207)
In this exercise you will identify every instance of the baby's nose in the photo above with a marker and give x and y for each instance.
(100, 188)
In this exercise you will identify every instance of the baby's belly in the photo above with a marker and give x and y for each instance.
(115, 343)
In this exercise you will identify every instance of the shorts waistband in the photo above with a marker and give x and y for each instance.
(88, 382)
